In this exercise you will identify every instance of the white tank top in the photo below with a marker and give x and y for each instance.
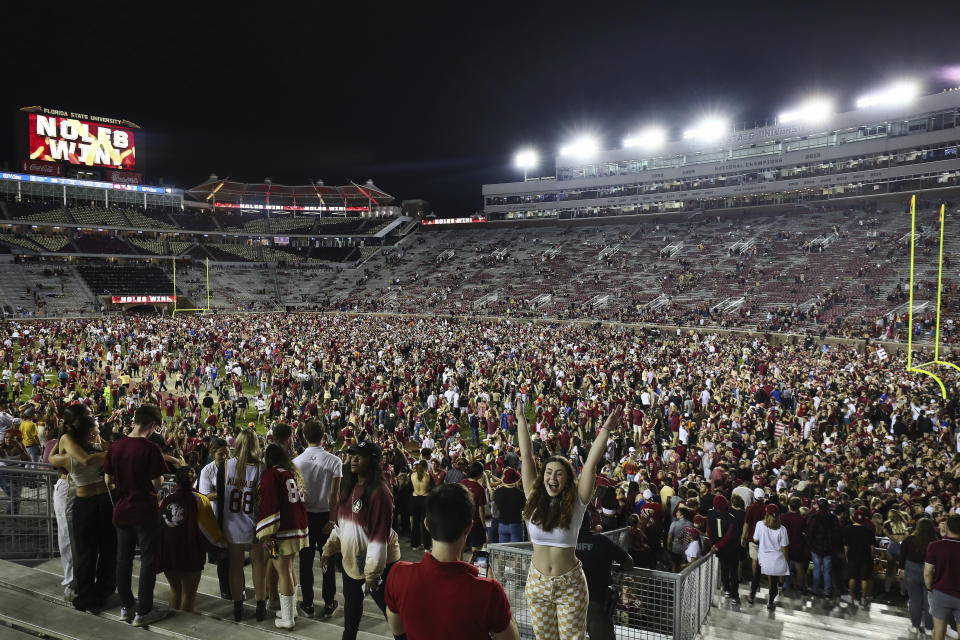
(559, 537)
(239, 507)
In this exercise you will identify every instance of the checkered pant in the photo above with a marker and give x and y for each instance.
(558, 604)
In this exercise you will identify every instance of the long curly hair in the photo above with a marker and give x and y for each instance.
(373, 482)
(549, 513)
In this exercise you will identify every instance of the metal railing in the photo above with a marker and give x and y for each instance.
(652, 605)
(28, 525)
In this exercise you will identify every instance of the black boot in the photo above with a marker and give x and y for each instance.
(261, 610)
(238, 610)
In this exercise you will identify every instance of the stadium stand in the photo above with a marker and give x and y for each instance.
(20, 241)
(204, 250)
(193, 222)
(258, 226)
(155, 247)
(125, 280)
(160, 247)
(99, 216)
(839, 271)
(300, 224)
(149, 219)
(51, 242)
(104, 244)
(242, 251)
(800, 270)
(37, 214)
(27, 290)
(345, 226)
(235, 220)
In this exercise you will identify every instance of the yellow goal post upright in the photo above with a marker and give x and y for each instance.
(175, 299)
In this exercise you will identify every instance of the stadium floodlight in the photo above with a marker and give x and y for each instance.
(651, 138)
(526, 159)
(898, 93)
(708, 129)
(813, 110)
(582, 148)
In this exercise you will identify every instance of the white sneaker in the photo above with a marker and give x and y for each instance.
(127, 614)
(847, 598)
(154, 615)
(69, 594)
(952, 634)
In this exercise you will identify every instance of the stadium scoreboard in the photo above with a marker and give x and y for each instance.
(57, 142)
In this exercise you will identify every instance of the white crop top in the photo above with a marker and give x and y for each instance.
(559, 537)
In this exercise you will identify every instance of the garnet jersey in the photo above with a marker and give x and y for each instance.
(239, 525)
(282, 512)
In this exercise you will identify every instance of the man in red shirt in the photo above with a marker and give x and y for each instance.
(941, 573)
(450, 517)
(135, 465)
(170, 405)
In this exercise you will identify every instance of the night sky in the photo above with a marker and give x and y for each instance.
(431, 101)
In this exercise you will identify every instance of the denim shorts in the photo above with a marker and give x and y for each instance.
(944, 606)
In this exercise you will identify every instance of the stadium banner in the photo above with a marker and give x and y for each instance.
(95, 184)
(125, 177)
(469, 220)
(81, 142)
(41, 167)
(142, 299)
(286, 207)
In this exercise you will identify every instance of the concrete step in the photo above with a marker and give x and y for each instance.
(804, 617)
(39, 606)
(9, 633)
(32, 615)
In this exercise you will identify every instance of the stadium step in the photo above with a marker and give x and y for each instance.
(31, 600)
(10, 633)
(803, 617)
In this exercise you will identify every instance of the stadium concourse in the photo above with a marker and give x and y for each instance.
(815, 431)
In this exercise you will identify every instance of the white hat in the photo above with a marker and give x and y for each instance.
(631, 449)
(647, 494)
(758, 493)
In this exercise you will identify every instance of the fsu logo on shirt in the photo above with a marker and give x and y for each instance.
(173, 515)
(357, 505)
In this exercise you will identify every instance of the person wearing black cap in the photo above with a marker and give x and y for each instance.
(362, 533)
